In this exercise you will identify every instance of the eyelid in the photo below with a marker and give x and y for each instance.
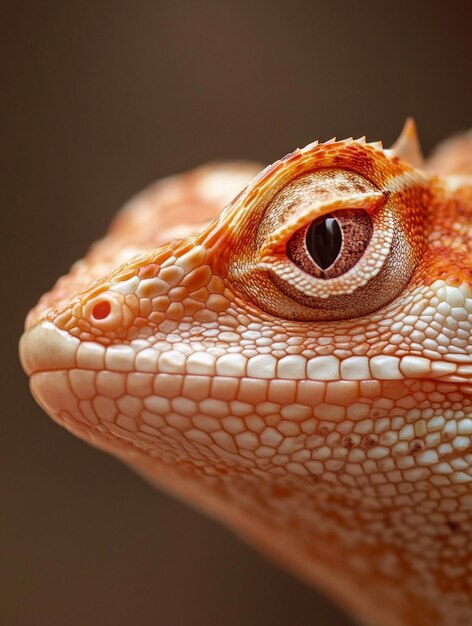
(363, 272)
(368, 201)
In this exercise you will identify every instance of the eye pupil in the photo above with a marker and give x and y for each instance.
(324, 240)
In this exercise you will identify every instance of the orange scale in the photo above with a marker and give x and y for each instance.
(156, 317)
(149, 271)
(224, 388)
(192, 306)
(252, 390)
(177, 294)
(205, 315)
(217, 302)
(175, 311)
(197, 278)
(282, 391)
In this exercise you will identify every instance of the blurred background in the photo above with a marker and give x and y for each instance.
(99, 99)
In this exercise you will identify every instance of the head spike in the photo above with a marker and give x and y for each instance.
(378, 145)
(407, 146)
(311, 145)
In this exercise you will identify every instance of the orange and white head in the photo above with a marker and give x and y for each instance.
(298, 334)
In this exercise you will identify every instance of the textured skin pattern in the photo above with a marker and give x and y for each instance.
(327, 421)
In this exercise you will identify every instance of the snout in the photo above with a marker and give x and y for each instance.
(45, 347)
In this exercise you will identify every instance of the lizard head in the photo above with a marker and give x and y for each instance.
(326, 277)
(315, 336)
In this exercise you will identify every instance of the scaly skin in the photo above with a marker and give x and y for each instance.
(327, 420)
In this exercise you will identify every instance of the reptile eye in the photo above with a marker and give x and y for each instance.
(332, 244)
(329, 245)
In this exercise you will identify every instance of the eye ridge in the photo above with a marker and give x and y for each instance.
(332, 244)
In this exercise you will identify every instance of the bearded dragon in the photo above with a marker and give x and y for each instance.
(298, 366)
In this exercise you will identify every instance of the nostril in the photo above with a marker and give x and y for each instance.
(106, 312)
(101, 310)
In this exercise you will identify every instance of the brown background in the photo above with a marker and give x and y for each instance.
(98, 99)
